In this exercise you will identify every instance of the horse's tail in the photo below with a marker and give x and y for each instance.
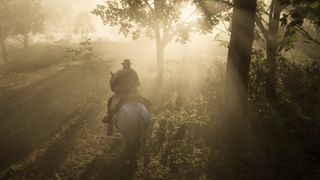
(145, 134)
(133, 122)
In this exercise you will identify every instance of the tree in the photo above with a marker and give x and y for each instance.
(5, 26)
(270, 33)
(160, 20)
(29, 19)
(291, 15)
(237, 75)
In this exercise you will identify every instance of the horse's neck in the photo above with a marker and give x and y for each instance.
(114, 76)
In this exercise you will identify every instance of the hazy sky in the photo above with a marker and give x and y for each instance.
(66, 11)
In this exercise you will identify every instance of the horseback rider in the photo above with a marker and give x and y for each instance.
(124, 84)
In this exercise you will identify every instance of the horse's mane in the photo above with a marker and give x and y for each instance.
(113, 77)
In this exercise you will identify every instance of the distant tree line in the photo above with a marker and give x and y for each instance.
(19, 19)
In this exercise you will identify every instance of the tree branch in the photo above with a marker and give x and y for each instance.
(271, 10)
(221, 30)
(19, 39)
(148, 4)
(225, 26)
(261, 26)
(307, 35)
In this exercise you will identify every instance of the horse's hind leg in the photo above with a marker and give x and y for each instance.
(133, 150)
(131, 165)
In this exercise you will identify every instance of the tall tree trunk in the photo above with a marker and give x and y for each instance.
(237, 75)
(160, 54)
(160, 45)
(3, 49)
(272, 48)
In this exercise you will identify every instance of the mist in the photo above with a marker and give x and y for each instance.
(151, 89)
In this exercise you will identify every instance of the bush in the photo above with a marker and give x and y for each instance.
(83, 53)
(177, 140)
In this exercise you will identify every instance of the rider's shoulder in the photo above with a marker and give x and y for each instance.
(132, 70)
(120, 71)
(125, 71)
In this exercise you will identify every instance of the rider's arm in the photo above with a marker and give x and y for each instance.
(136, 79)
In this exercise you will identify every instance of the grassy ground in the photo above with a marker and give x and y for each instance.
(52, 126)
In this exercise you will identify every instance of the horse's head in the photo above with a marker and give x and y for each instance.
(112, 76)
(113, 79)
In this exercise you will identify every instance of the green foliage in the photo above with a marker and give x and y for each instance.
(287, 127)
(83, 53)
(212, 13)
(16, 168)
(257, 74)
(57, 176)
(299, 12)
(179, 143)
(296, 78)
(214, 89)
(177, 140)
(139, 17)
(299, 80)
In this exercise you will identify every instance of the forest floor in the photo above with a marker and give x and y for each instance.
(50, 125)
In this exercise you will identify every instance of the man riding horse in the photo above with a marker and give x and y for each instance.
(124, 84)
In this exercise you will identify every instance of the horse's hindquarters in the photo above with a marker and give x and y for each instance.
(129, 129)
(130, 119)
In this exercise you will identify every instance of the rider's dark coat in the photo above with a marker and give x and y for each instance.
(125, 81)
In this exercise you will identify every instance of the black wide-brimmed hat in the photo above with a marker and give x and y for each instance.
(126, 62)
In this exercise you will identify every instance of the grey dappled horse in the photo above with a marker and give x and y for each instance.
(132, 120)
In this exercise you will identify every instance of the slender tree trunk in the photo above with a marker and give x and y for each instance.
(272, 69)
(272, 48)
(160, 54)
(237, 75)
(3, 49)
(160, 45)
(26, 41)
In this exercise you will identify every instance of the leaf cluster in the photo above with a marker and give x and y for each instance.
(83, 53)
(211, 12)
(146, 17)
(297, 13)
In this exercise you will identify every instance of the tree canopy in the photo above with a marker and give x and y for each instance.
(30, 21)
(156, 19)
(137, 17)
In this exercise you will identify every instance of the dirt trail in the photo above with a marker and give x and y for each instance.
(52, 128)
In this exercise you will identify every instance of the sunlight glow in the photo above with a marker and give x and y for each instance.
(189, 13)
